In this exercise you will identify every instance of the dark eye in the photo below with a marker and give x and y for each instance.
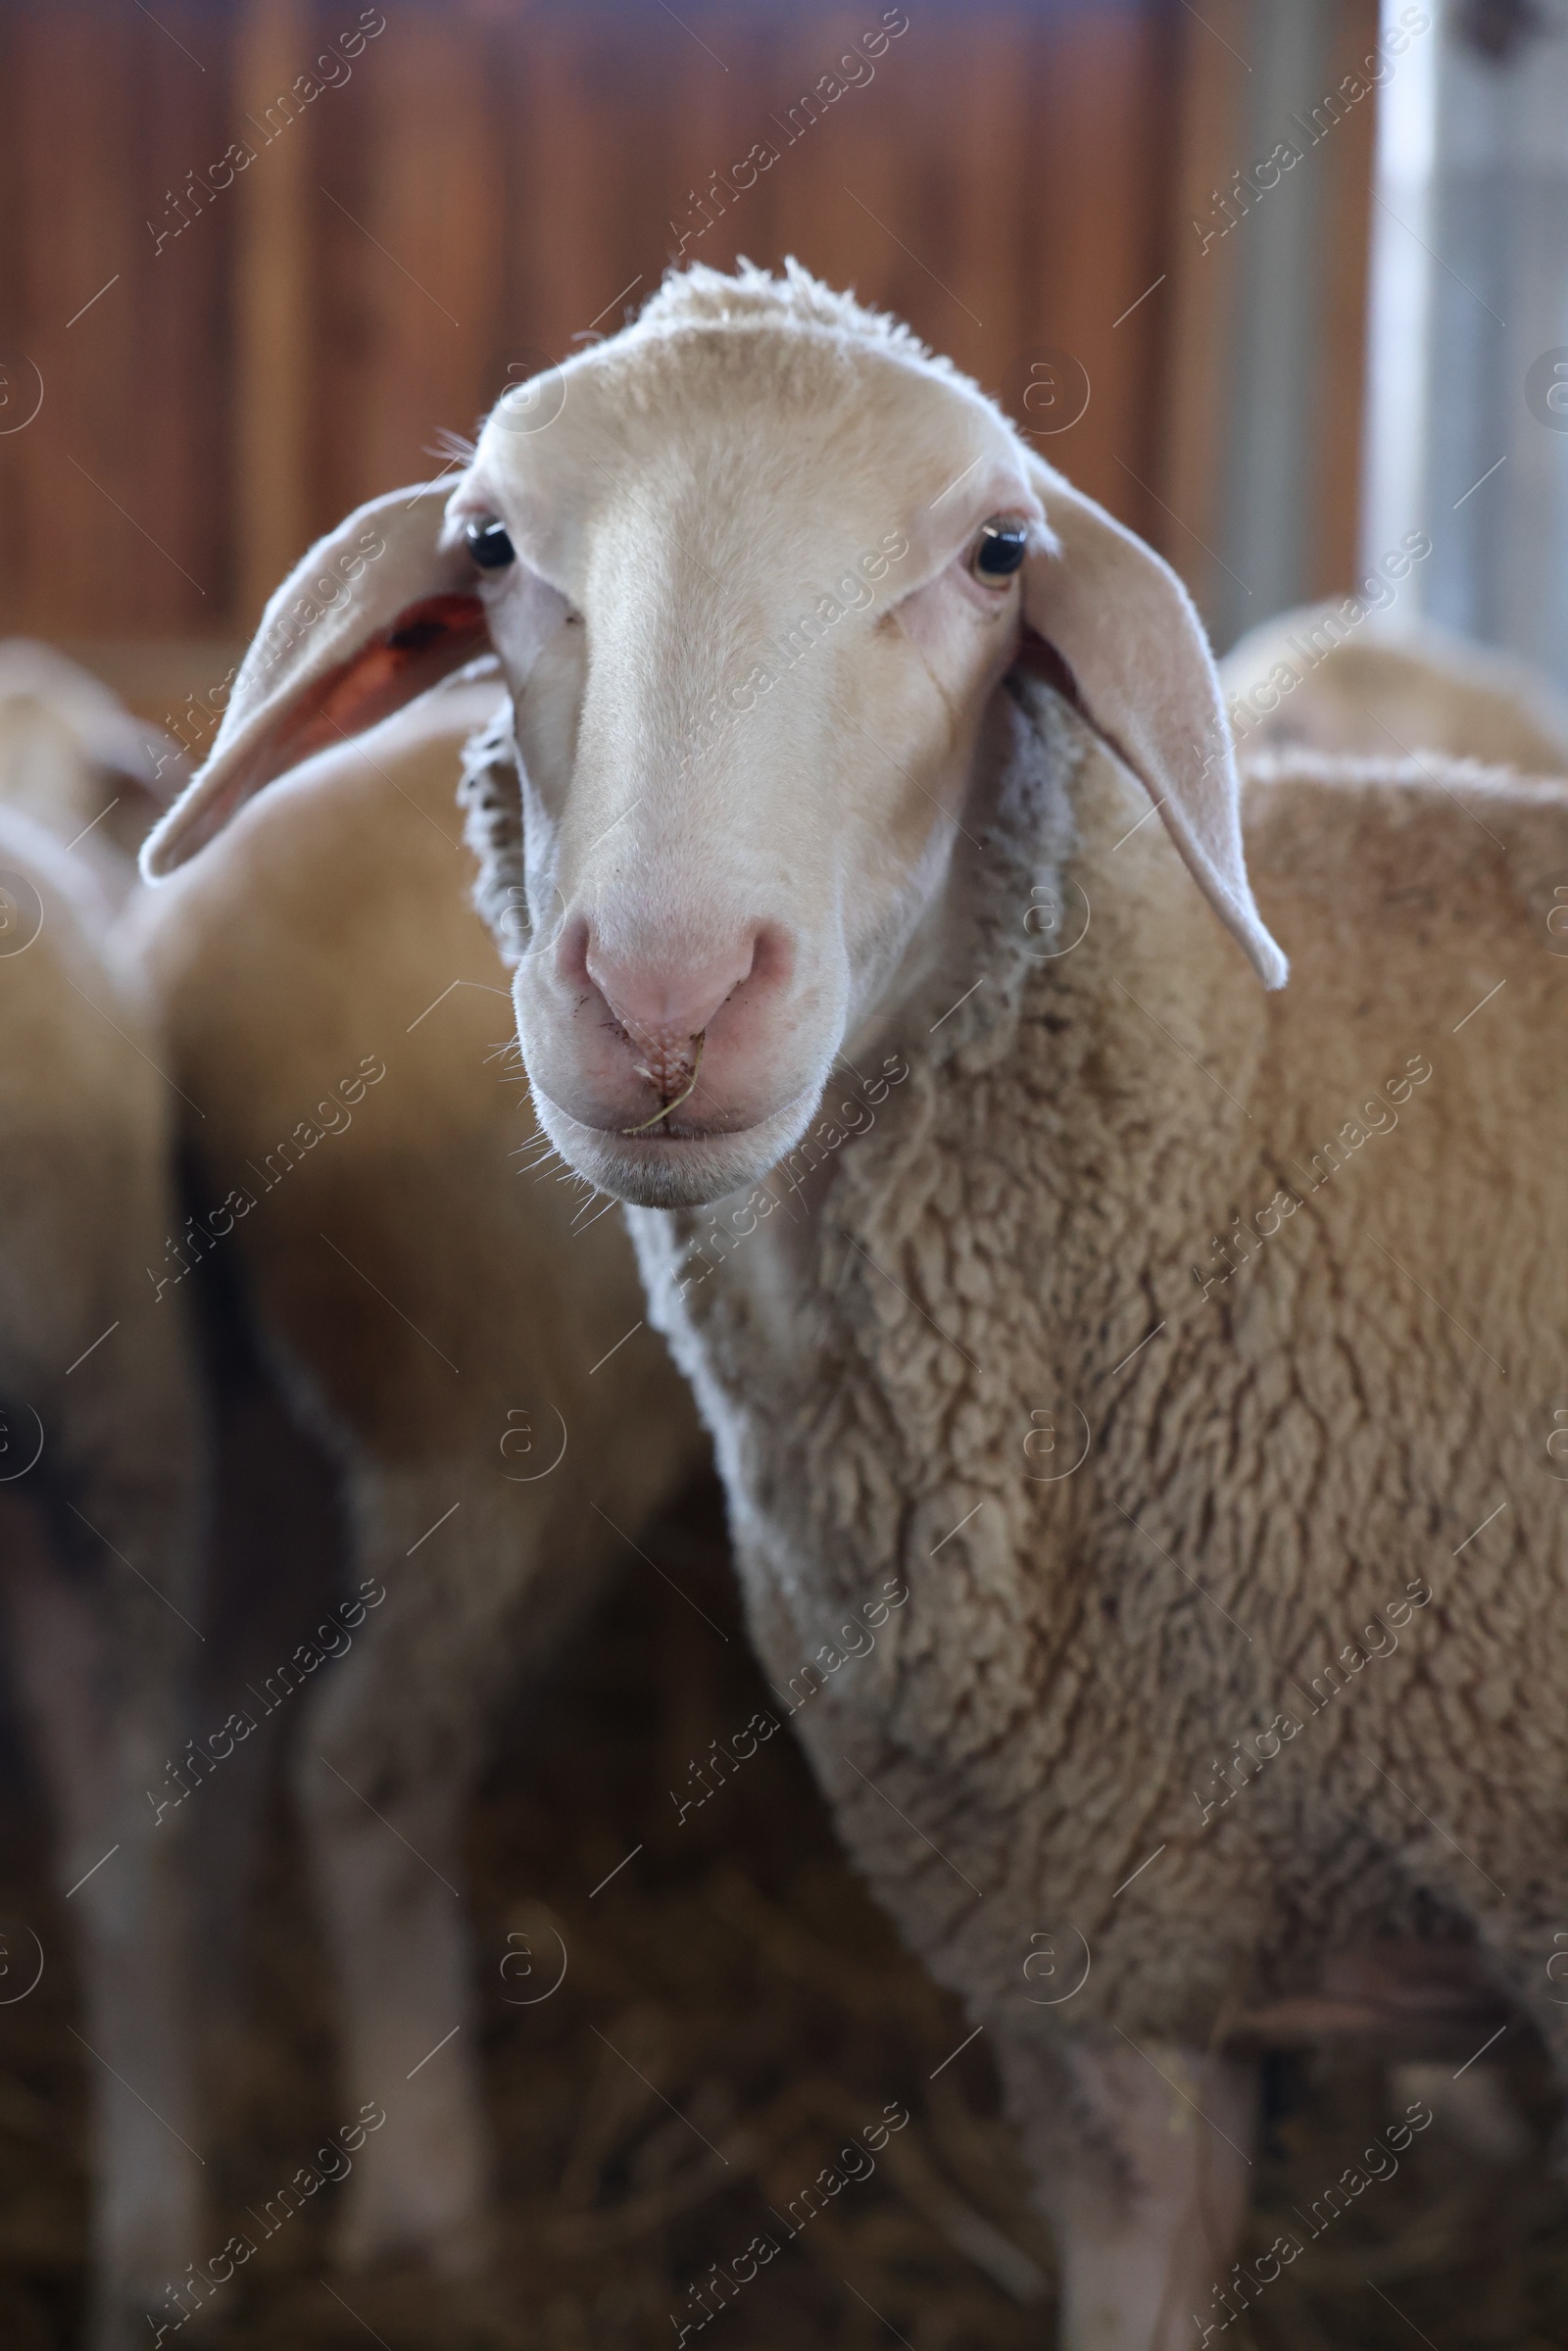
(1002, 546)
(489, 546)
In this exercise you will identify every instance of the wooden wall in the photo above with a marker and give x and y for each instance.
(493, 180)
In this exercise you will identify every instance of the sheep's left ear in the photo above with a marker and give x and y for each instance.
(377, 611)
(1126, 628)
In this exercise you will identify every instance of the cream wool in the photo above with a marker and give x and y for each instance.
(1341, 677)
(1025, 1216)
(1262, 1474)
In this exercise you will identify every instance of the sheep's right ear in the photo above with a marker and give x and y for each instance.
(376, 614)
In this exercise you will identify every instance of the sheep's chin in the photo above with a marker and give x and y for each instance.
(654, 1171)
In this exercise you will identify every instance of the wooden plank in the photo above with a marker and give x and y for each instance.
(1097, 241)
(959, 129)
(271, 300)
(430, 251)
(93, 545)
(1192, 423)
(505, 178)
(1342, 322)
(179, 109)
(846, 184)
(571, 266)
(342, 315)
(698, 199)
(16, 382)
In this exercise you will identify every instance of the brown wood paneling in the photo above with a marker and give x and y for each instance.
(430, 249)
(1340, 390)
(273, 291)
(952, 198)
(504, 179)
(702, 118)
(80, 457)
(1095, 233)
(16, 379)
(179, 452)
(118, 512)
(587, 105)
(845, 188)
(1209, 79)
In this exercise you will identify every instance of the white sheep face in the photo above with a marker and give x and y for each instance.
(750, 653)
(754, 570)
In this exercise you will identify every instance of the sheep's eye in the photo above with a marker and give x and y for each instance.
(489, 546)
(1002, 546)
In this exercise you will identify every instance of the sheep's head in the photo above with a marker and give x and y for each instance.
(754, 570)
(72, 755)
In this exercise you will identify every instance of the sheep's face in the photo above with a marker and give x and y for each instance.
(754, 570)
(760, 595)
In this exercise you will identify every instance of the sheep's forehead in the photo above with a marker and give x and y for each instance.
(751, 449)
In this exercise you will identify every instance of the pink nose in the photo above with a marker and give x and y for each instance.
(665, 999)
(674, 1000)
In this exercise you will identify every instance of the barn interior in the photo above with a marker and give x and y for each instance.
(1269, 371)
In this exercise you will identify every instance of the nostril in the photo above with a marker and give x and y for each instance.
(668, 991)
(572, 956)
(773, 964)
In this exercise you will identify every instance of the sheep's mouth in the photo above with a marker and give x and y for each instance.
(673, 1128)
(679, 1163)
(680, 1124)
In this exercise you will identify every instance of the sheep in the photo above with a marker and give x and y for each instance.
(1356, 676)
(77, 761)
(1163, 1499)
(464, 1334)
(100, 1455)
(1320, 679)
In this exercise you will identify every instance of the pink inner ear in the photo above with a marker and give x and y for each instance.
(426, 643)
(1045, 659)
(1042, 659)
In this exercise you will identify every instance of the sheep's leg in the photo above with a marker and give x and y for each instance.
(381, 1775)
(1144, 2171)
(397, 1733)
(97, 1675)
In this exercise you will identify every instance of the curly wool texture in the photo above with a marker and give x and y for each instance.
(1268, 1467)
(1271, 1469)
(489, 796)
(700, 296)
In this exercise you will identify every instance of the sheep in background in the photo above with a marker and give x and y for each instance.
(99, 1465)
(465, 1333)
(1182, 1350)
(1387, 687)
(77, 761)
(1316, 679)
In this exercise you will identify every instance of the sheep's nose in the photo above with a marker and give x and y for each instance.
(665, 999)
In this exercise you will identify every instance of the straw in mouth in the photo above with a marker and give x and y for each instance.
(682, 1097)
